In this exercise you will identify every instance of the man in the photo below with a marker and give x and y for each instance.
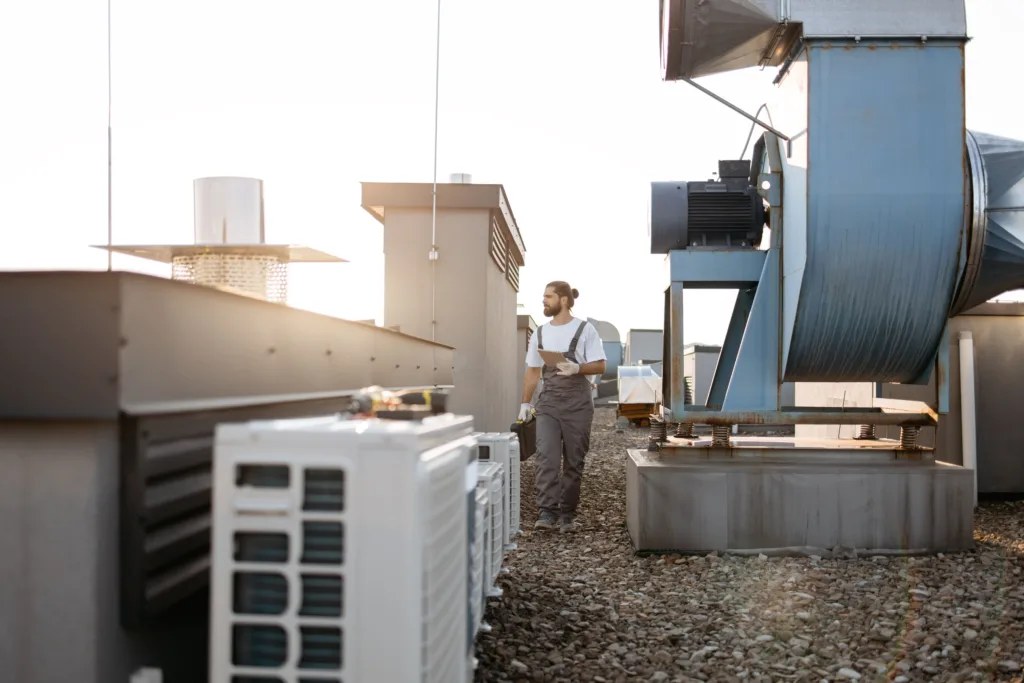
(565, 408)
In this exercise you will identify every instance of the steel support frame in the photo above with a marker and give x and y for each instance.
(747, 380)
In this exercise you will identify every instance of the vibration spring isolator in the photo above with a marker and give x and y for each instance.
(684, 430)
(908, 437)
(867, 432)
(720, 436)
(659, 434)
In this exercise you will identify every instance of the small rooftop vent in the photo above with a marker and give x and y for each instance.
(461, 179)
(230, 250)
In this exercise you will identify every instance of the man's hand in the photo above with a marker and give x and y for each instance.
(525, 412)
(567, 368)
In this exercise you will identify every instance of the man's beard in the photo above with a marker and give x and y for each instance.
(552, 311)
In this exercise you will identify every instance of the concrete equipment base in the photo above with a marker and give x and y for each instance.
(793, 496)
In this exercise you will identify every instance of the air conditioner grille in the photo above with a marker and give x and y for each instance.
(443, 562)
(266, 593)
(497, 542)
(256, 546)
(514, 482)
(324, 491)
(322, 543)
(480, 537)
(260, 593)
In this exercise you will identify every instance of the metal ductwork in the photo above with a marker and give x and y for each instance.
(995, 223)
(705, 37)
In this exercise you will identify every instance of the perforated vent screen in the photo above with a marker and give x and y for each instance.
(259, 276)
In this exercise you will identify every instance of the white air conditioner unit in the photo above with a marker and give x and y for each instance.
(338, 546)
(491, 481)
(498, 447)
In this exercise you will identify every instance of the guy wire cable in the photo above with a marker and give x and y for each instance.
(110, 159)
(433, 217)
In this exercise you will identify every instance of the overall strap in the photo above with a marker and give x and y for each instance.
(576, 338)
(540, 337)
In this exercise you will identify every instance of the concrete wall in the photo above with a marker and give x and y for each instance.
(476, 306)
(643, 345)
(997, 329)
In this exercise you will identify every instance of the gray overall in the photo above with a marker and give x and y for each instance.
(565, 413)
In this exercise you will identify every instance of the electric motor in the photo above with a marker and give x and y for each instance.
(722, 212)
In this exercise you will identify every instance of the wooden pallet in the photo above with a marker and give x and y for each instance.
(637, 413)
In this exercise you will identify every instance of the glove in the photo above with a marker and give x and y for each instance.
(525, 412)
(567, 368)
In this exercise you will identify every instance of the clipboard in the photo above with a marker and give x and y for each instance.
(552, 358)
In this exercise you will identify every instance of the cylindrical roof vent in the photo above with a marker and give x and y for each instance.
(228, 211)
(462, 179)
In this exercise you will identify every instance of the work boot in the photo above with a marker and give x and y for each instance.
(546, 521)
(567, 524)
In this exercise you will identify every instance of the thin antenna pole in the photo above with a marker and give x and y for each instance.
(433, 217)
(110, 159)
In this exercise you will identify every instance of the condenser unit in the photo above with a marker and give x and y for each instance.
(490, 479)
(340, 547)
(498, 447)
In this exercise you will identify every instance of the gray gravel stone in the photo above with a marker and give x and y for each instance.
(585, 608)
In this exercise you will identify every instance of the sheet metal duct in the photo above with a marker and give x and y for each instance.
(704, 37)
(996, 221)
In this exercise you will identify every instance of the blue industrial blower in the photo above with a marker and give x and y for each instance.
(866, 218)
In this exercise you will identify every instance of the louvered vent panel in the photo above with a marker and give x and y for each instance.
(512, 274)
(499, 247)
(166, 481)
(481, 500)
(443, 562)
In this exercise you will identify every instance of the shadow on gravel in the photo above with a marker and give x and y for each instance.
(583, 607)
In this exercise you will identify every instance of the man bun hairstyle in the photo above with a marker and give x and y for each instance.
(562, 288)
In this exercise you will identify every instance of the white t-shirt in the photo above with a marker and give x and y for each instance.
(558, 337)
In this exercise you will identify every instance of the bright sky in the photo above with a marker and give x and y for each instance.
(561, 102)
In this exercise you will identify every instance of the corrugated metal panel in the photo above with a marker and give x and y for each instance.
(165, 502)
(886, 209)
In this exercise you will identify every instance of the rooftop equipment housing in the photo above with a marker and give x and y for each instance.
(456, 281)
